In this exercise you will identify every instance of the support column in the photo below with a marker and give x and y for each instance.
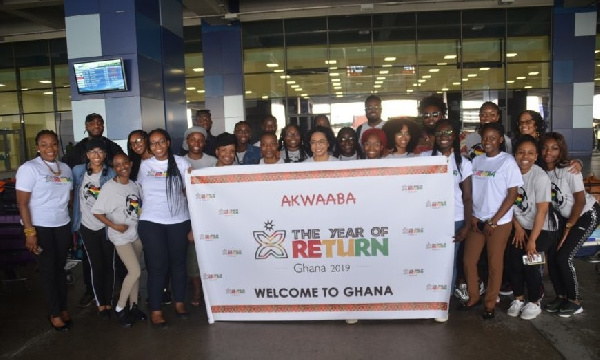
(573, 44)
(148, 35)
(223, 74)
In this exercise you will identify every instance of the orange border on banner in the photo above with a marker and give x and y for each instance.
(405, 306)
(321, 174)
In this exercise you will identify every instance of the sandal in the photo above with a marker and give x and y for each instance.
(196, 301)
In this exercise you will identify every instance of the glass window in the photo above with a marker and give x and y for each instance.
(438, 35)
(528, 34)
(265, 86)
(307, 51)
(8, 80)
(33, 124)
(8, 102)
(63, 99)
(36, 78)
(38, 100)
(528, 76)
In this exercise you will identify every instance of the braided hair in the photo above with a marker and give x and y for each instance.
(455, 142)
(135, 158)
(283, 148)
(174, 179)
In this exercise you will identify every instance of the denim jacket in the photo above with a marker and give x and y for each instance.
(252, 155)
(78, 175)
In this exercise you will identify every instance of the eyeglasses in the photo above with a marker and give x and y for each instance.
(97, 152)
(372, 108)
(136, 141)
(526, 122)
(161, 142)
(431, 114)
(319, 142)
(443, 133)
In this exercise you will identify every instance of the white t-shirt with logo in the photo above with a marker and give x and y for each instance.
(492, 177)
(474, 147)
(153, 180)
(536, 189)
(331, 158)
(406, 155)
(121, 204)
(262, 161)
(564, 184)
(294, 156)
(466, 170)
(89, 191)
(50, 193)
(205, 161)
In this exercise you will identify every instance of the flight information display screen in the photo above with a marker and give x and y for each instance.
(100, 76)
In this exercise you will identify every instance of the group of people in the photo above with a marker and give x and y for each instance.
(510, 208)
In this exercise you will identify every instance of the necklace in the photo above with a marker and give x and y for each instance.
(57, 172)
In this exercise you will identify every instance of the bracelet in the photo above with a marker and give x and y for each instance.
(29, 231)
(491, 224)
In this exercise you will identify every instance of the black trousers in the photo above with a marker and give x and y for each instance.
(530, 275)
(101, 254)
(55, 243)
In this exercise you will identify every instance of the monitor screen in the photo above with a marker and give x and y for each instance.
(100, 76)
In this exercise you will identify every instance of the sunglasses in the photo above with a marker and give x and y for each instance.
(431, 114)
(443, 133)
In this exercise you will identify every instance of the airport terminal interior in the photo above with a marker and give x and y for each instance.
(245, 59)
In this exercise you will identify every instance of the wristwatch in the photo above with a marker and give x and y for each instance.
(491, 223)
(568, 225)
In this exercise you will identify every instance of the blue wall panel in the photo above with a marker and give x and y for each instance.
(79, 7)
(118, 33)
(147, 32)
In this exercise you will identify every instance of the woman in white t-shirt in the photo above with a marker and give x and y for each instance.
(403, 137)
(447, 143)
(268, 149)
(164, 225)
(291, 145)
(118, 207)
(346, 147)
(533, 231)
(496, 178)
(374, 142)
(88, 180)
(579, 212)
(321, 141)
(44, 189)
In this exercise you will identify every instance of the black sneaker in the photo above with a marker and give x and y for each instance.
(137, 314)
(166, 298)
(124, 318)
(555, 305)
(569, 309)
(86, 300)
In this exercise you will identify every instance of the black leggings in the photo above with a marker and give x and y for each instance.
(521, 274)
(560, 261)
(55, 243)
(101, 253)
(165, 251)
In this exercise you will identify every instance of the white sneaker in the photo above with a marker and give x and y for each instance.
(441, 319)
(530, 311)
(461, 293)
(351, 321)
(481, 288)
(515, 308)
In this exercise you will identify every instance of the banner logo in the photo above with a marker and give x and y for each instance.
(270, 243)
(412, 188)
(205, 197)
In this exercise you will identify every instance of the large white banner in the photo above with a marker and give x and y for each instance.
(368, 239)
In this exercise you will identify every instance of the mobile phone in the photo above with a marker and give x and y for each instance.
(536, 259)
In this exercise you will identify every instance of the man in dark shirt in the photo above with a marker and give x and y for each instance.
(94, 125)
(203, 119)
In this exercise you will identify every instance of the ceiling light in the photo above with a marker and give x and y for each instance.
(330, 62)
(334, 74)
(471, 75)
(24, 89)
(1, 85)
(527, 87)
(426, 76)
(272, 65)
(339, 93)
(200, 91)
(455, 83)
(45, 82)
(298, 89)
(415, 84)
(48, 93)
(510, 81)
(390, 58)
(421, 80)
(449, 57)
(465, 80)
(434, 70)
(248, 91)
(333, 68)
(190, 88)
(597, 51)
(444, 89)
(198, 69)
(337, 88)
(264, 97)
(340, 96)
(278, 70)
(386, 65)
(442, 64)
(305, 95)
(511, 54)
(284, 76)
(295, 86)
(521, 77)
(290, 82)
(383, 72)
(381, 78)
(484, 69)
(377, 86)
(379, 82)
(533, 73)
(409, 90)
